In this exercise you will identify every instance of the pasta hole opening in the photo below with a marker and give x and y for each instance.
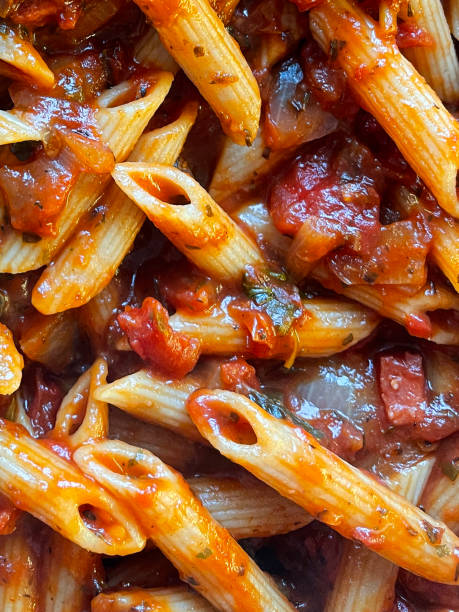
(226, 422)
(129, 467)
(102, 523)
(134, 90)
(163, 189)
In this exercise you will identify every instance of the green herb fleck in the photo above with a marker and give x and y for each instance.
(348, 339)
(204, 554)
(451, 469)
(442, 551)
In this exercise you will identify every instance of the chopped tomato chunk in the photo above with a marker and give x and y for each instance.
(403, 388)
(188, 289)
(151, 337)
(410, 34)
(8, 516)
(238, 375)
(36, 13)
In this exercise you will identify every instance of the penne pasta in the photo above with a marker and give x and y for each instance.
(452, 15)
(19, 589)
(200, 229)
(51, 340)
(365, 581)
(441, 502)
(153, 399)
(95, 316)
(150, 52)
(90, 259)
(173, 599)
(67, 575)
(437, 63)
(121, 127)
(198, 41)
(407, 308)
(81, 417)
(330, 326)
(11, 363)
(247, 508)
(356, 505)
(204, 553)
(74, 505)
(243, 167)
(391, 89)
(13, 129)
(20, 60)
(445, 248)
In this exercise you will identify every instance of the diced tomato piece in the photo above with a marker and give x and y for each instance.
(335, 179)
(403, 388)
(238, 375)
(188, 289)
(36, 13)
(151, 337)
(258, 324)
(410, 34)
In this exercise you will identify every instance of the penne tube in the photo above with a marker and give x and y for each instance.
(196, 38)
(91, 257)
(407, 308)
(329, 327)
(20, 60)
(11, 363)
(19, 590)
(441, 502)
(452, 15)
(13, 129)
(247, 508)
(121, 127)
(19, 415)
(153, 399)
(445, 248)
(366, 581)
(239, 167)
(67, 575)
(150, 52)
(205, 554)
(51, 340)
(353, 503)
(81, 417)
(200, 229)
(73, 505)
(172, 599)
(390, 88)
(437, 63)
(95, 316)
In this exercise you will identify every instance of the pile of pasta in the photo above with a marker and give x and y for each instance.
(216, 217)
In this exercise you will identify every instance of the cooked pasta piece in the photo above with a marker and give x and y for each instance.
(224, 9)
(452, 15)
(440, 500)
(11, 363)
(247, 508)
(73, 505)
(353, 503)
(204, 553)
(154, 400)
(407, 308)
(390, 88)
(437, 63)
(445, 248)
(19, 584)
(121, 127)
(239, 167)
(18, 414)
(365, 581)
(95, 316)
(13, 129)
(198, 41)
(66, 574)
(90, 259)
(172, 599)
(20, 60)
(82, 417)
(200, 229)
(150, 52)
(51, 340)
(330, 326)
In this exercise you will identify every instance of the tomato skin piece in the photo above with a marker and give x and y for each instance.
(403, 388)
(238, 375)
(409, 34)
(153, 339)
